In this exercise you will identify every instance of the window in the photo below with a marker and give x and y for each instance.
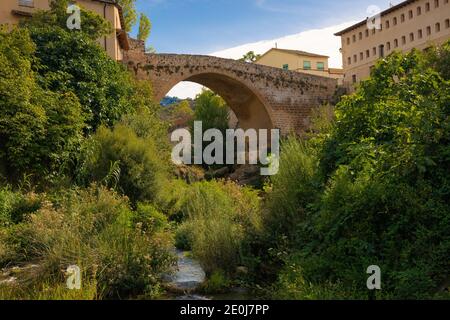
(381, 48)
(436, 3)
(419, 11)
(361, 56)
(428, 30)
(403, 40)
(285, 67)
(402, 18)
(320, 66)
(360, 36)
(388, 46)
(427, 6)
(349, 61)
(355, 58)
(395, 21)
(410, 14)
(374, 51)
(387, 24)
(367, 33)
(373, 31)
(396, 43)
(420, 34)
(447, 23)
(348, 40)
(354, 78)
(307, 65)
(367, 53)
(411, 37)
(438, 27)
(354, 38)
(26, 3)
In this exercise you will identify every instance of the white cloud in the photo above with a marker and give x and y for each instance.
(321, 41)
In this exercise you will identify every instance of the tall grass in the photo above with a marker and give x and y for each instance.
(219, 216)
(95, 229)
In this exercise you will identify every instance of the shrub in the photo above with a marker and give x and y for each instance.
(138, 161)
(94, 229)
(184, 236)
(103, 86)
(39, 129)
(15, 206)
(372, 190)
(219, 215)
(149, 218)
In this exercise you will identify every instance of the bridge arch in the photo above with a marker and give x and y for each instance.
(250, 108)
(261, 97)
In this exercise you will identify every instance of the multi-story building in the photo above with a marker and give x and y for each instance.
(410, 24)
(11, 11)
(299, 61)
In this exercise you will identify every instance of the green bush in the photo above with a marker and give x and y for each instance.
(15, 206)
(39, 129)
(96, 230)
(140, 166)
(103, 86)
(372, 190)
(149, 218)
(219, 215)
(184, 236)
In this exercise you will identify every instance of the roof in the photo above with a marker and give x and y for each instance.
(383, 13)
(335, 71)
(296, 52)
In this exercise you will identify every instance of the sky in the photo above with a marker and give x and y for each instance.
(230, 28)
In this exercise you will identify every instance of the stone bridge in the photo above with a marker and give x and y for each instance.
(261, 97)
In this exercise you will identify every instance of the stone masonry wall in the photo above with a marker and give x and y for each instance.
(261, 96)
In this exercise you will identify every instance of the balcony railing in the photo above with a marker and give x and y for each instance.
(26, 3)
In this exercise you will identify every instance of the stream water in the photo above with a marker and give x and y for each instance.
(187, 279)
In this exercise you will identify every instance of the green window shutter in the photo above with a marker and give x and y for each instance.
(320, 66)
(285, 67)
(307, 65)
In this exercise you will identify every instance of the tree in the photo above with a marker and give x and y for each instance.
(145, 27)
(250, 57)
(374, 189)
(211, 110)
(129, 12)
(39, 129)
(92, 26)
(104, 87)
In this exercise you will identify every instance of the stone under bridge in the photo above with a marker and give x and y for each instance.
(261, 97)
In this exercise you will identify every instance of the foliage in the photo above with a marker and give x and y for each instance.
(15, 206)
(141, 168)
(145, 27)
(95, 229)
(39, 129)
(103, 87)
(211, 110)
(219, 216)
(93, 25)
(129, 12)
(250, 56)
(373, 188)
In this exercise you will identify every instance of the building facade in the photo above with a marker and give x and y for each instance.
(11, 11)
(299, 61)
(411, 24)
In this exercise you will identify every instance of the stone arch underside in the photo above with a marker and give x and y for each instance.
(247, 105)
